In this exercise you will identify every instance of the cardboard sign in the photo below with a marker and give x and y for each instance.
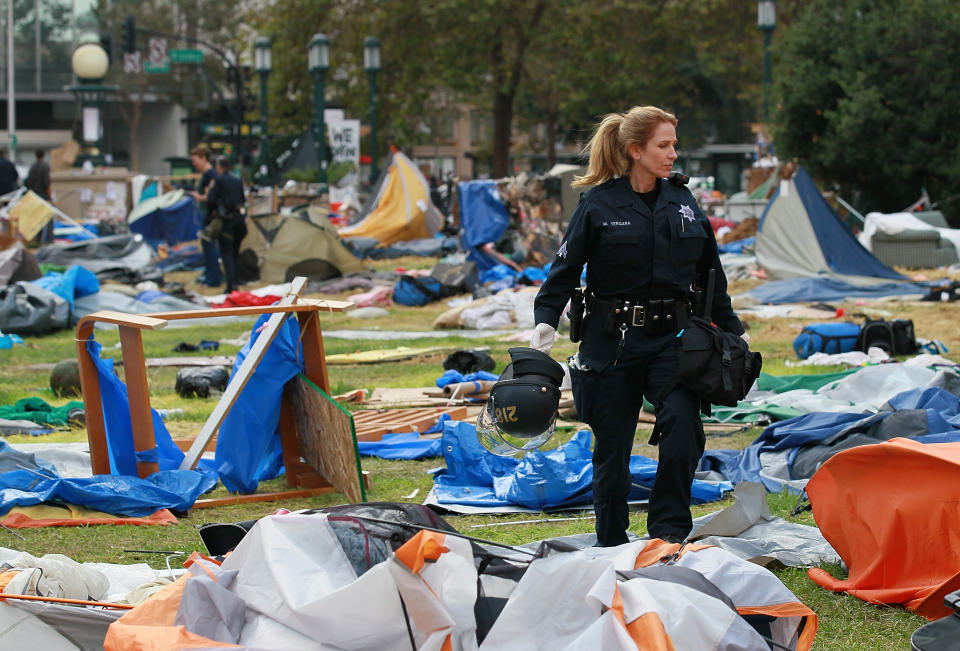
(345, 141)
(32, 214)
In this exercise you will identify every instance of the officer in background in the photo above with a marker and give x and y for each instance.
(200, 158)
(229, 223)
(647, 246)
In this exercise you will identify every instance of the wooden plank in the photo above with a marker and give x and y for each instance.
(325, 432)
(260, 497)
(141, 321)
(286, 306)
(314, 359)
(92, 406)
(372, 425)
(264, 339)
(138, 397)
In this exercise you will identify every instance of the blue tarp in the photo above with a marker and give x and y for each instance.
(802, 290)
(248, 445)
(75, 282)
(942, 420)
(116, 494)
(179, 222)
(116, 419)
(483, 218)
(403, 445)
(737, 246)
(541, 479)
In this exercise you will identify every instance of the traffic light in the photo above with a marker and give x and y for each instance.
(129, 35)
(106, 42)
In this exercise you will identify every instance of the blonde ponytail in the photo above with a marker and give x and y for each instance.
(608, 146)
(607, 156)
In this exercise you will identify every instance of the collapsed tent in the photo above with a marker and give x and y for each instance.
(483, 219)
(401, 209)
(788, 453)
(17, 263)
(799, 234)
(372, 584)
(169, 218)
(278, 248)
(890, 510)
(126, 253)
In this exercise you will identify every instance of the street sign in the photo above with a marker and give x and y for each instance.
(158, 51)
(157, 68)
(225, 129)
(131, 63)
(186, 56)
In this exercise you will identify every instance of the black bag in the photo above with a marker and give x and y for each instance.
(892, 337)
(716, 365)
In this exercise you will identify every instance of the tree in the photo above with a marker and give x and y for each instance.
(866, 98)
(215, 22)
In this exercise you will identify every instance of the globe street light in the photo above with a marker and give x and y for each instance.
(318, 62)
(90, 65)
(766, 22)
(371, 63)
(263, 64)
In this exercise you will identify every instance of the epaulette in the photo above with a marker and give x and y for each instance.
(679, 179)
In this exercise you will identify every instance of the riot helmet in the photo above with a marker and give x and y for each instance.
(521, 412)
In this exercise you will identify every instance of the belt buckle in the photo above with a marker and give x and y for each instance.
(641, 310)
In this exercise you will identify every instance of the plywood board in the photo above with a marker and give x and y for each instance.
(371, 425)
(325, 432)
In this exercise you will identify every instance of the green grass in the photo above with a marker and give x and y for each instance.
(845, 622)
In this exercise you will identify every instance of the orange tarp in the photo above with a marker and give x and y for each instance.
(71, 515)
(891, 512)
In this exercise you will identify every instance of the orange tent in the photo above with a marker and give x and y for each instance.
(890, 511)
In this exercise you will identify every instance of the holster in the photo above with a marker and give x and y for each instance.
(576, 315)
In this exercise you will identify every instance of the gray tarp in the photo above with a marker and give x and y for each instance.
(16, 263)
(28, 309)
(126, 252)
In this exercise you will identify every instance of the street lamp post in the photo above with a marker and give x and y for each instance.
(318, 62)
(90, 64)
(766, 22)
(263, 64)
(371, 63)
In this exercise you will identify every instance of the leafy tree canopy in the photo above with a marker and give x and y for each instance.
(866, 97)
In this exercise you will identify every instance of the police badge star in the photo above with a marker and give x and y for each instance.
(687, 212)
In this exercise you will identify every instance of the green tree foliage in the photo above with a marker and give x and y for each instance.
(561, 63)
(866, 97)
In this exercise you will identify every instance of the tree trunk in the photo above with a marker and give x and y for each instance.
(551, 120)
(502, 126)
(132, 112)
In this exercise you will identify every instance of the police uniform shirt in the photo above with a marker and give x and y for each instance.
(227, 190)
(632, 252)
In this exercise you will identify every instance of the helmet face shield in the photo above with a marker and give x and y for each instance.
(510, 442)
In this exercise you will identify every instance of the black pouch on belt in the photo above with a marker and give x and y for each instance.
(576, 315)
(653, 319)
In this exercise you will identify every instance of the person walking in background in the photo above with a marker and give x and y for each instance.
(647, 245)
(228, 225)
(200, 157)
(9, 177)
(38, 182)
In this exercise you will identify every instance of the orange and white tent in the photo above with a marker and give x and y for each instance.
(290, 585)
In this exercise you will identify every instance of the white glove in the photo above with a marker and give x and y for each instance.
(543, 337)
(746, 337)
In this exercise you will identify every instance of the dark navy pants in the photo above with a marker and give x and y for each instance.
(609, 401)
(211, 262)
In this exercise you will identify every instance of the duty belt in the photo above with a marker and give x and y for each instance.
(656, 316)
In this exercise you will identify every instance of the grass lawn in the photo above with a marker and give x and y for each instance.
(845, 622)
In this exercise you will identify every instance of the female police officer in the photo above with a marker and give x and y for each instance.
(647, 247)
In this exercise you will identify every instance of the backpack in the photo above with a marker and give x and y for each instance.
(826, 338)
(893, 337)
(418, 290)
(716, 365)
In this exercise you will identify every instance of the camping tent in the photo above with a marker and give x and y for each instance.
(402, 209)
(800, 235)
(300, 244)
(170, 217)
